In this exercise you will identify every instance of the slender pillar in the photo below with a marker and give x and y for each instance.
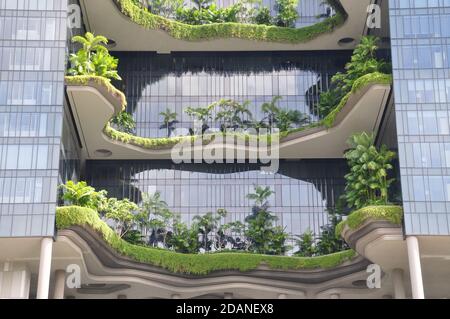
(60, 283)
(335, 296)
(45, 265)
(399, 285)
(415, 268)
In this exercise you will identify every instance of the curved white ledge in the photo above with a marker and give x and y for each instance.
(362, 112)
(103, 17)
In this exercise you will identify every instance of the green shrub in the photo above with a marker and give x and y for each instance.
(188, 32)
(93, 58)
(392, 214)
(198, 264)
(367, 183)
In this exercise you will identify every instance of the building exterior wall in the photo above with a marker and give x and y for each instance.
(154, 82)
(32, 64)
(303, 190)
(420, 38)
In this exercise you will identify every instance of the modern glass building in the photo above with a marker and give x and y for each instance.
(56, 128)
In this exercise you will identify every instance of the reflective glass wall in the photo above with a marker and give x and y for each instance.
(153, 82)
(32, 63)
(420, 32)
(303, 189)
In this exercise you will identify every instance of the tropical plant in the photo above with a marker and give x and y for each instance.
(367, 183)
(80, 194)
(93, 58)
(363, 61)
(165, 8)
(306, 244)
(231, 114)
(124, 122)
(287, 13)
(201, 114)
(281, 118)
(328, 242)
(261, 234)
(121, 212)
(154, 215)
(169, 121)
(207, 224)
(262, 16)
(183, 239)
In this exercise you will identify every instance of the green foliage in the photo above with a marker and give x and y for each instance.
(281, 118)
(188, 32)
(124, 122)
(328, 242)
(262, 16)
(287, 13)
(364, 81)
(367, 183)
(306, 244)
(184, 239)
(207, 13)
(392, 214)
(197, 264)
(80, 194)
(155, 215)
(93, 59)
(121, 212)
(262, 235)
(169, 121)
(363, 62)
(230, 114)
(207, 224)
(165, 8)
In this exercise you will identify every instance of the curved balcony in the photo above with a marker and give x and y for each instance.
(118, 19)
(107, 259)
(93, 106)
(376, 233)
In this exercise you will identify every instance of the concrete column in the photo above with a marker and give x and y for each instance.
(399, 285)
(60, 284)
(335, 296)
(415, 268)
(45, 265)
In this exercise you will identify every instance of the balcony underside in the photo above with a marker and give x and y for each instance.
(104, 17)
(92, 110)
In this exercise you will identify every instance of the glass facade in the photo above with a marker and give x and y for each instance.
(420, 37)
(153, 82)
(32, 64)
(303, 189)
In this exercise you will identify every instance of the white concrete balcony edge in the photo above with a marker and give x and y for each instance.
(103, 17)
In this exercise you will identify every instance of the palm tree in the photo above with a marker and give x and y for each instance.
(201, 114)
(271, 109)
(91, 43)
(152, 204)
(286, 118)
(169, 120)
(260, 195)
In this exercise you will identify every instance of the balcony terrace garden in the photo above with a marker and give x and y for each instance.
(206, 21)
(94, 64)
